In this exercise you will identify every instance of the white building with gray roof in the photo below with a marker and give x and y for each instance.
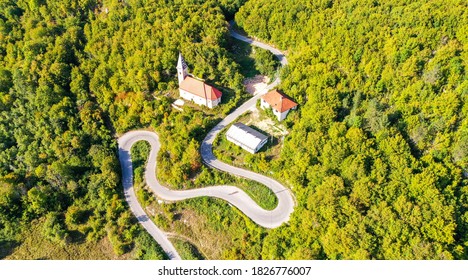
(246, 137)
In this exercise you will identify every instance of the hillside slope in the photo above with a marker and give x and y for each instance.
(377, 152)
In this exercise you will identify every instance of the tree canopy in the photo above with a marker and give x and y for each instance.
(72, 74)
(376, 154)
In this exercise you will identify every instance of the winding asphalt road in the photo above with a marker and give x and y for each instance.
(233, 195)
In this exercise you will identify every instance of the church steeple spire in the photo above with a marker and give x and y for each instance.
(182, 69)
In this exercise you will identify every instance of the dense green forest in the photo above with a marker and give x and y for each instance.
(74, 73)
(376, 154)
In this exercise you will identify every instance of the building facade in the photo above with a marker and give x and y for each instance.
(279, 103)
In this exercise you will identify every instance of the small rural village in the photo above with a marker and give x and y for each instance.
(251, 140)
(193, 89)
(233, 130)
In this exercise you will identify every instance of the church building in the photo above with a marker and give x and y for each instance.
(195, 90)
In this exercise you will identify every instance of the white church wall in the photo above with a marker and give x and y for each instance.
(186, 95)
(192, 97)
(214, 103)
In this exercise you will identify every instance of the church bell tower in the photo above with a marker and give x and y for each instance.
(181, 68)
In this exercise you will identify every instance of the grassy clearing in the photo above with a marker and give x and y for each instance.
(264, 197)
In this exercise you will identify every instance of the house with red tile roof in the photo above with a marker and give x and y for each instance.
(193, 89)
(279, 103)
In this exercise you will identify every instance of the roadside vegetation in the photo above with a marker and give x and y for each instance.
(186, 250)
